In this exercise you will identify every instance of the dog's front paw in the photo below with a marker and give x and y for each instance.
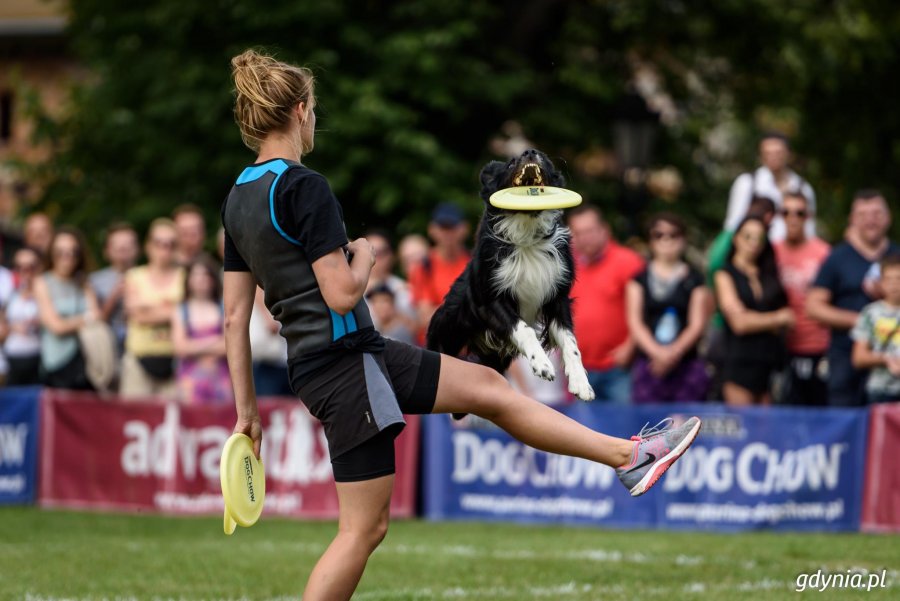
(542, 367)
(579, 386)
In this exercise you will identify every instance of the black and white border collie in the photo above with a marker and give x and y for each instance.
(513, 297)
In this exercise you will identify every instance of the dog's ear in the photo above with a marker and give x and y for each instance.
(557, 180)
(490, 175)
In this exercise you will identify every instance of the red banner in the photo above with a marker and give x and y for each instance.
(99, 454)
(881, 497)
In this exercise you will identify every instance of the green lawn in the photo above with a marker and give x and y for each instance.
(49, 555)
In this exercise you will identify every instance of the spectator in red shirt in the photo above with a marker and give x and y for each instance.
(430, 280)
(799, 258)
(603, 269)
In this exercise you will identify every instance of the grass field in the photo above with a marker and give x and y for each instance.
(49, 555)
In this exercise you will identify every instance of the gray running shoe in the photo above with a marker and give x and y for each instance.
(657, 448)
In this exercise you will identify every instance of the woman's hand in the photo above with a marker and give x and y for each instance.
(786, 318)
(362, 247)
(252, 427)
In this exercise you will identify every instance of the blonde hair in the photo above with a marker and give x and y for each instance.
(267, 91)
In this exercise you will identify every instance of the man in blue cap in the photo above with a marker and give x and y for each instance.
(431, 280)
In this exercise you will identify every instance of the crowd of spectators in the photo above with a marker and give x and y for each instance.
(774, 313)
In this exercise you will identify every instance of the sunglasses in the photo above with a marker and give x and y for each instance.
(666, 235)
(798, 213)
(25, 266)
(69, 253)
(164, 243)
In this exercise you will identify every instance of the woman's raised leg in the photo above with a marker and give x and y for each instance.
(469, 388)
(363, 522)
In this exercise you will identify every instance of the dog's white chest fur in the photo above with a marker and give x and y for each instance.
(534, 268)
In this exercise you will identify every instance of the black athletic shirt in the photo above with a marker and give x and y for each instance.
(306, 211)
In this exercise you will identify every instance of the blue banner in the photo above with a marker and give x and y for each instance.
(18, 444)
(751, 468)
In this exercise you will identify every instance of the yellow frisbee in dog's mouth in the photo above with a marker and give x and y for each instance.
(535, 198)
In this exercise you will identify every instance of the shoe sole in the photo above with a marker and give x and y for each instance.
(659, 468)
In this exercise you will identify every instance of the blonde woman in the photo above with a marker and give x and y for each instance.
(152, 292)
(284, 228)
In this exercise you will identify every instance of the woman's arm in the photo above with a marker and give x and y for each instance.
(50, 319)
(93, 306)
(634, 314)
(698, 316)
(142, 313)
(343, 284)
(741, 319)
(185, 346)
(239, 292)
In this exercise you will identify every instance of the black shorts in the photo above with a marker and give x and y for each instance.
(755, 376)
(360, 400)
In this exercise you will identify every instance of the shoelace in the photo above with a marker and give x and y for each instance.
(655, 430)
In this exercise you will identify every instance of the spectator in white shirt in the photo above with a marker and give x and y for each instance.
(771, 180)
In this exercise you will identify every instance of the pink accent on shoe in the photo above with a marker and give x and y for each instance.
(634, 453)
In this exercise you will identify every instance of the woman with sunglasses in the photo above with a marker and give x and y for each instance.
(152, 292)
(65, 303)
(754, 305)
(22, 341)
(667, 308)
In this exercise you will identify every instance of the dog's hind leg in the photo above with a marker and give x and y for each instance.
(564, 339)
(526, 340)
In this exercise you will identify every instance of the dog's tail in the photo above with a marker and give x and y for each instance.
(442, 336)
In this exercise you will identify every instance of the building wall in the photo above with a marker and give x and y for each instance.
(33, 56)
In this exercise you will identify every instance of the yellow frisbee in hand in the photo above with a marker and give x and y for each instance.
(535, 198)
(243, 483)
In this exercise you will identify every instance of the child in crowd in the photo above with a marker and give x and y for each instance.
(876, 337)
(391, 324)
(197, 333)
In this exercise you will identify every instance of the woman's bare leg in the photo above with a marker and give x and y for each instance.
(736, 396)
(363, 522)
(469, 388)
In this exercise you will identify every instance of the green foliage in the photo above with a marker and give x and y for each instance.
(411, 93)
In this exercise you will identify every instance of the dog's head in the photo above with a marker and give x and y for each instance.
(531, 168)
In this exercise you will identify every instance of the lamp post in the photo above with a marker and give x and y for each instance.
(634, 132)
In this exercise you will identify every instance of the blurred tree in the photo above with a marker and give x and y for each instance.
(411, 93)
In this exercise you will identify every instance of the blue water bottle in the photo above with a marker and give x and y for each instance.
(667, 327)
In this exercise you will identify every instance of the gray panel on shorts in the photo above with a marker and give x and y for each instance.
(382, 399)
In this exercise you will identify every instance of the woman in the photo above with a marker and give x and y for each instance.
(22, 343)
(198, 338)
(284, 228)
(152, 292)
(667, 310)
(65, 303)
(754, 305)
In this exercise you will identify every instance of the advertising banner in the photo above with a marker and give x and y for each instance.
(776, 468)
(881, 509)
(18, 444)
(752, 468)
(165, 457)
